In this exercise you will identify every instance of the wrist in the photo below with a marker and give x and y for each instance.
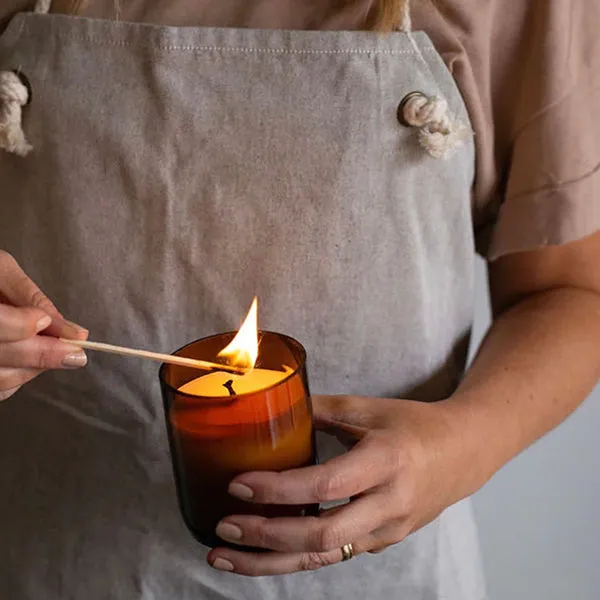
(473, 435)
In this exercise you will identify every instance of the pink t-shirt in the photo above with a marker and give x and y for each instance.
(529, 71)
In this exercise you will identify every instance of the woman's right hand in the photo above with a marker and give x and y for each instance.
(29, 327)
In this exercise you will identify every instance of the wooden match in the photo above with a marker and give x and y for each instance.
(156, 356)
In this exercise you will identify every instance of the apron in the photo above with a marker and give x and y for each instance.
(178, 172)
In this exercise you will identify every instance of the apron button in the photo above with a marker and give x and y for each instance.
(402, 105)
(26, 83)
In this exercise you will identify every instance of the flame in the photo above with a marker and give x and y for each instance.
(242, 351)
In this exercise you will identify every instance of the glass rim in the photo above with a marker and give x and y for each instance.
(224, 400)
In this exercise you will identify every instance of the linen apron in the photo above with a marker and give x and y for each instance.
(177, 172)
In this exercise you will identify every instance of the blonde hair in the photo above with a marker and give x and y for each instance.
(388, 15)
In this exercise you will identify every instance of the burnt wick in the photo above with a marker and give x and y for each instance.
(229, 386)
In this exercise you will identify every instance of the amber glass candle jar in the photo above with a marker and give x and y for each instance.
(214, 438)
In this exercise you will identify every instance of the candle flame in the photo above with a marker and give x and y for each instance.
(242, 351)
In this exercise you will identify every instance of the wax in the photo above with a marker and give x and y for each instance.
(220, 384)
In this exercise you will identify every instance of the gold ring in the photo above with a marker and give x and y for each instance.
(347, 552)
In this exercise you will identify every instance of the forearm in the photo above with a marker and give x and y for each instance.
(537, 364)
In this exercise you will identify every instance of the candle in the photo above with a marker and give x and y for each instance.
(222, 424)
(220, 383)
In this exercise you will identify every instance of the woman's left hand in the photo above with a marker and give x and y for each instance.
(411, 460)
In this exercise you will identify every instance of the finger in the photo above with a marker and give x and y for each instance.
(10, 379)
(41, 353)
(388, 535)
(278, 563)
(21, 291)
(18, 289)
(281, 563)
(270, 563)
(21, 323)
(397, 531)
(6, 394)
(362, 468)
(327, 532)
(61, 328)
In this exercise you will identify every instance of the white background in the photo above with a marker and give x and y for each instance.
(539, 517)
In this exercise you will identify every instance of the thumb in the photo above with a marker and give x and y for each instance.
(344, 417)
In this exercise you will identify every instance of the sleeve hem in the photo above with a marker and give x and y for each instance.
(546, 217)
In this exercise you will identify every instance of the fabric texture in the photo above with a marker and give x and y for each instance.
(529, 72)
(176, 174)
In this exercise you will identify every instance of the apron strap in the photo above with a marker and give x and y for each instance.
(404, 19)
(42, 6)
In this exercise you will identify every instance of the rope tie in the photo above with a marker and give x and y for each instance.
(439, 133)
(405, 23)
(14, 95)
(42, 6)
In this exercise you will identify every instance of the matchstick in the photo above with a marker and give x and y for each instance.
(165, 358)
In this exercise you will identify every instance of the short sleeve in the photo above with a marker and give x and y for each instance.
(551, 189)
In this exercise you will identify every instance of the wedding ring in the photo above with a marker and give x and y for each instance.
(347, 552)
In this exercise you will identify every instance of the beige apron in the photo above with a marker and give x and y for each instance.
(175, 174)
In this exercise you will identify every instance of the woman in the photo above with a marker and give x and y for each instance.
(161, 176)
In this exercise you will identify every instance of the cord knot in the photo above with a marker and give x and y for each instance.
(14, 95)
(439, 133)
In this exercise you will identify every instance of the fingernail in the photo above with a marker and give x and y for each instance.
(43, 323)
(229, 532)
(243, 492)
(75, 360)
(222, 564)
(70, 328)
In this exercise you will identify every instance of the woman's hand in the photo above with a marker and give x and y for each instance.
(27, 322)
(410, 462)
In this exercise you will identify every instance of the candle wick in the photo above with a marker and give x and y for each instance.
(229, 386)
